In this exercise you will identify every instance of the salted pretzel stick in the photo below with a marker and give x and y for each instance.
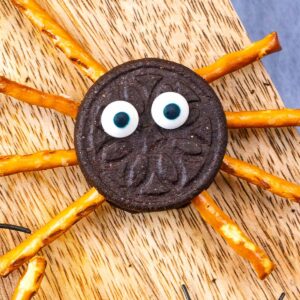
(261, 178)
(50, 232)
(31, 279)
(61, 39)
(233, 235)
(263, 118)
(237, 60)
(36, 97)
(38, 161)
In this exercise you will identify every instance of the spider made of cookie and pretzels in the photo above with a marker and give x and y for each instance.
(150, 135)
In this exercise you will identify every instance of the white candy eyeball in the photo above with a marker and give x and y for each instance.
(119, 119)
(170, 110)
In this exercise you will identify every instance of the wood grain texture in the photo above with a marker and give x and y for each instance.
(113, 254)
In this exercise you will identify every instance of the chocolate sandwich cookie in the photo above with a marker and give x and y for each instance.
(150, 135)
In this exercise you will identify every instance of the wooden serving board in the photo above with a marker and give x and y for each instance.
(113, 254)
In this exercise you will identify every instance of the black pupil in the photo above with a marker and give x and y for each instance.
(172, 111)
(121, 119)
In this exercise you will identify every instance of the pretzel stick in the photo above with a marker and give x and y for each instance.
(261, 178)
(61, 39)
(263, 118)
(50, 232)
(31, 279)
(237, 60)
(233, 235)
(35, 97)
(38, 161)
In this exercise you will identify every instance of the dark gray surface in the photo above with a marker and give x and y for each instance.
(260, 17)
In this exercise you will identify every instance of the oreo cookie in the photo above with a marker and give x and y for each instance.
(150, 135)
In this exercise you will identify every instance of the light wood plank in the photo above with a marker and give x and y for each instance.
(113, 254)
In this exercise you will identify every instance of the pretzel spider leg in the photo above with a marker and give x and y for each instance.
(233, 235)
(50, 232)
(263, 118)
(38, 161)
(35, 97)
(61, 39)
(45, 159)
(31, 279)
(261, 178)
(237, 60)
(62, 158)
(243, 119)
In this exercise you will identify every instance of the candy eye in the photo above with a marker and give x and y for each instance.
(119, 119)
(170, 110)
